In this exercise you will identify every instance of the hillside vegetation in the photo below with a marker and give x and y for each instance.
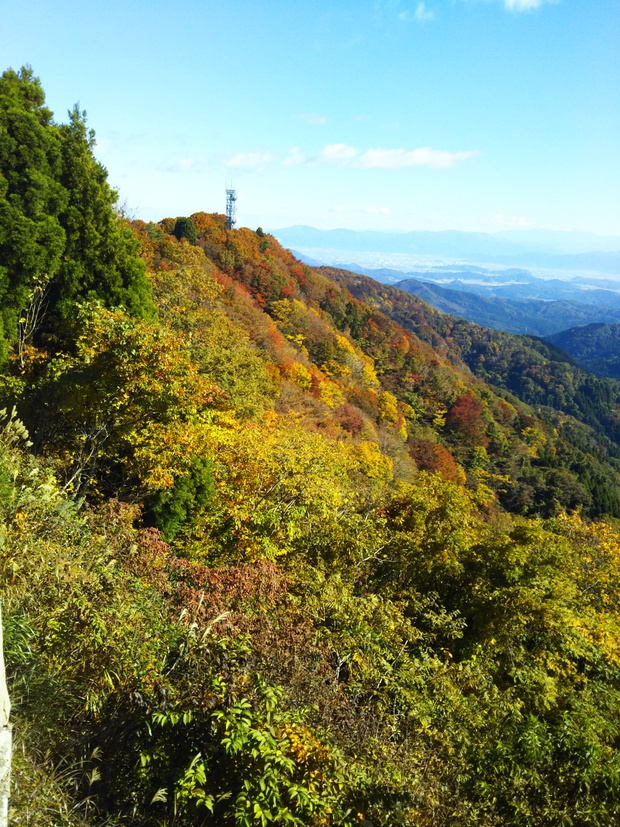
(582, 410)
(538, 317)
(596, 347)
(270, 556)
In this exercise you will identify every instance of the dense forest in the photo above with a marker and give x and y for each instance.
(582, 409)
(596, 347)
(536, 316)
(278, 546)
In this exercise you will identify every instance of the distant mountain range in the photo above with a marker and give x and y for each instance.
(536, 248)
(446, 270)
(512, 299)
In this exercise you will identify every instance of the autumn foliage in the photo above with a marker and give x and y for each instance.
(271, 553)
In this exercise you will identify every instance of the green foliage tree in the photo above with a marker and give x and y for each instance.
(252, 764)
(58, 225)
(32, 197)
(129, 402)
(185, 228)
(101, 258)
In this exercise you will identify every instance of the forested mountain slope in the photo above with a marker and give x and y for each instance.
(534, 371)
(596, 347)
(270, 557)
(534, 316)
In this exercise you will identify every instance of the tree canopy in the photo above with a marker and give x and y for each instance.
(60, 238)
(271, 549)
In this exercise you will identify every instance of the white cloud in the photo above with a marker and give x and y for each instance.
(420, 15)
(345, 155)
(338, 154)
(186, 164)
(249, 160)
(313, 118)
(336, 208)
(517, 6)
(423, 14)
(522, 5)
(295, 157)
(401, 158)
(377, 210)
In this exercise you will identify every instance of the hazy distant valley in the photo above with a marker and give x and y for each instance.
(535, 282)
(545, 249)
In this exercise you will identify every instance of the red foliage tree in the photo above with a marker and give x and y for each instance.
(350, 419)
(465, 421)
(431, 456)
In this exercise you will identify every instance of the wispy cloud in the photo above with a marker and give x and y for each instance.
(424, 13)
(104, 145)
(250, 160)
(421, 14)
(337, 154)
(295, 157)
(522, 5)
(186, 164)
(313, 118)
(401, 158)
(511, 222)
(345, 155)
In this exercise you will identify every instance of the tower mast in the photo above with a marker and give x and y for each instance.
(231, 208)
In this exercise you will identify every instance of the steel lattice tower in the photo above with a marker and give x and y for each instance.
(231, 208)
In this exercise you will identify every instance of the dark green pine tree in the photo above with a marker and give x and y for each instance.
(185, 228)
(58, 226)
(101, 259)
(32, 239)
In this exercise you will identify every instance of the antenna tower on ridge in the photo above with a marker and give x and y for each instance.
(231, 208)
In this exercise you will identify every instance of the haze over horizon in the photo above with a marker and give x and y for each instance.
(476, 115)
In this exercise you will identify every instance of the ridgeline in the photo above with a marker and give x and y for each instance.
(286, 546)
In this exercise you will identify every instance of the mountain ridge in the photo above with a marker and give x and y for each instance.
(596, 347)
(286, 546)
(538, 317)
(455, 244)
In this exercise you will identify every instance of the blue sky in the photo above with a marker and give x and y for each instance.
(370, 114)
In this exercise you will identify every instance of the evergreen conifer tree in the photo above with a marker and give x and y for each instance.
(58, 225)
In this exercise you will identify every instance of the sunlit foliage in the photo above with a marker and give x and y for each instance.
(269, 557)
